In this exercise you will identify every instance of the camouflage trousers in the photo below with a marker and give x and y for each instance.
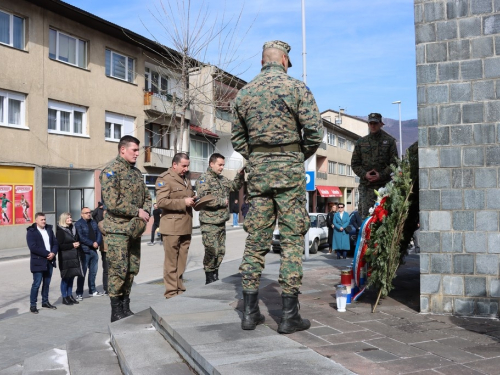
(275, 191)
(124, 257)
(367, 199)
(214, 240)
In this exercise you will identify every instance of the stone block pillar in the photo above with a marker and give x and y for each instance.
(458, 87)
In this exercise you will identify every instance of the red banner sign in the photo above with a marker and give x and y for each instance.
(7, 205)
(24, 203)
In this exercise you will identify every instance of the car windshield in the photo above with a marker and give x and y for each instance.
(314, 221)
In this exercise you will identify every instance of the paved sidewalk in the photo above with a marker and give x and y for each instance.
(23, 252)
(396, 339)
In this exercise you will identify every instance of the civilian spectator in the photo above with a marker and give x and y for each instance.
(43, 248)
(156, 223)
(340, 236)
(69, 257)
(90, 238)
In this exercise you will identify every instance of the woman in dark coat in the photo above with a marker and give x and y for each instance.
(329, 223)
(69, 256)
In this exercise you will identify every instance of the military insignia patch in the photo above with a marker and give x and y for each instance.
(202, 181)
(109, 174)
(385, 142)
(160, 184)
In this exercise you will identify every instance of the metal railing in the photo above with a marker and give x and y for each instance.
(322, 175)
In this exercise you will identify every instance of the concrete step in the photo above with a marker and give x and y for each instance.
(92, 354)
(53, 361)
(12, 370)
(141, 350)
(206, 330)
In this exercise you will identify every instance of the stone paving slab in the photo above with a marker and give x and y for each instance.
(54, 361)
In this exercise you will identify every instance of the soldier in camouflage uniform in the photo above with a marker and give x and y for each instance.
(215, 214)
(276, 127)
(128, 203)
(371, 160)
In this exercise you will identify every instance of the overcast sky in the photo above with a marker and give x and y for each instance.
(360, 53)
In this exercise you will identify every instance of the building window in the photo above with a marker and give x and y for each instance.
(157, 136)
(348, 199)
(350, 145)
(117, 126)
(342, 142)
(155, 82)
(12, 109)
(331, 139)
(67, 119)
(342, 169)
(120, 66)
(332, 166)
(67, 49)
(349, 170)
(199, 152)
(11, 30)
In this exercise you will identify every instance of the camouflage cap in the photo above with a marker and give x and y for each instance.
(136, 227)
(375, 117)
(285, 47)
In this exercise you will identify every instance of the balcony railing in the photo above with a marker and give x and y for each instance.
(166, 97)
(233, 164)
(198, 164)
(158, 157)
(323, 145)
(322, 175)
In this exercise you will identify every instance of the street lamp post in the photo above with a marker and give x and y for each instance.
(398, 102)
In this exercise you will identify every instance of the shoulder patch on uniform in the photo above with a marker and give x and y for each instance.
(201, 181)
(160, 184)
(385, 142)
(110, 173)
(307, 87)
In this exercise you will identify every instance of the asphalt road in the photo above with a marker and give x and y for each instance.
(16, 278)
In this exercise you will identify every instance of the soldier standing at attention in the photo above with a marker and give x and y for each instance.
(174, 195)
(371, 161)
(215, 214)
(128, 203)
(277, 126)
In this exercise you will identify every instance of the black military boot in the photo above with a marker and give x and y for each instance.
(209, 277)
(216, 275)
(126, 305)
(116, 309)
(291, 320)
(251, 311)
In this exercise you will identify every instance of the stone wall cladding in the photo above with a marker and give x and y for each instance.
(458, 85)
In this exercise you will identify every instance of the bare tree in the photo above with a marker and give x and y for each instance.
(195, 86)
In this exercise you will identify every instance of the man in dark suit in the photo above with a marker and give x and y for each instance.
(174, 195)
(43, 247)
(90, 239)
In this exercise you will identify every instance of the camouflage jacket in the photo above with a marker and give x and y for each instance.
(217, 211)
(274, 109)
(124, 193)
(374, 151)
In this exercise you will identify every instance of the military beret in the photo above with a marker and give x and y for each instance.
(375, 117)
(285, 47)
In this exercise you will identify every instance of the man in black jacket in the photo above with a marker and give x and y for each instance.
(90, 239)
(156, 223)
(43, 247)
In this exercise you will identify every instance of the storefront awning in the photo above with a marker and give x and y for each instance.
(329, 191)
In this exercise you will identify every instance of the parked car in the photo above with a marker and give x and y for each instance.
(318, 234)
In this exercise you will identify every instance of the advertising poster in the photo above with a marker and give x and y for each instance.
(24, 203)
(7, 205)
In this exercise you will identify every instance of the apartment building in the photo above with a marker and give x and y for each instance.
(71, 85)
(335, 180)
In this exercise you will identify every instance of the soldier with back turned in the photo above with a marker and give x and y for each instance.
(371, 161)
(128, 202)
(277, 126)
